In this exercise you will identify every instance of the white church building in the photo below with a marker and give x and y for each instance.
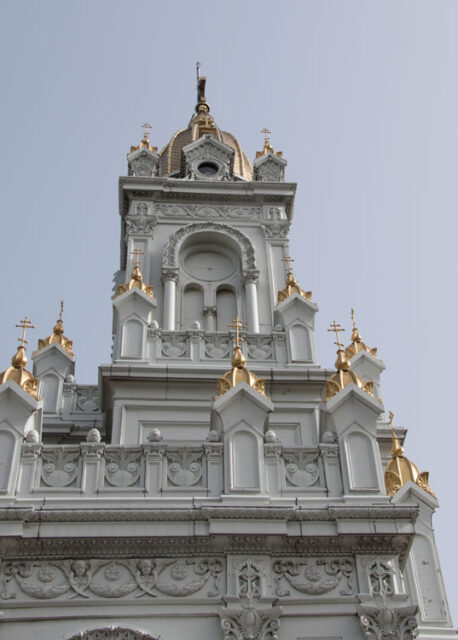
(216, 483)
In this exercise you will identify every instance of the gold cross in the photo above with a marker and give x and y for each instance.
(353, 318)
(24, 325)
(137, 253)
(336, 328)
(266, 133)
(61, 309)
(236, 323)
(146, 126)
(288, 260)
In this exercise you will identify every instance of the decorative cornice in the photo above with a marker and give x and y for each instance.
(389, 512)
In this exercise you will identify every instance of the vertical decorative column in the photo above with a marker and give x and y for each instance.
(169, 278)
(251, 296)
(210, 318)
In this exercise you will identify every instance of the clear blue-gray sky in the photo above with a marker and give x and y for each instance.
(361, 96)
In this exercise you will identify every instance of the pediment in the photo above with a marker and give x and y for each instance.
(208, 159)
(142, 163)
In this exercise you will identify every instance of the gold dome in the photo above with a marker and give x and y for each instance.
(344, 375)
(400, 469)
(200, 124)
(57, 336)
(18, 372)
(239, 372)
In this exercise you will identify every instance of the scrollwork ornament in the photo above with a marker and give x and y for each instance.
(60, 466)
(123, 466)
(313, 577)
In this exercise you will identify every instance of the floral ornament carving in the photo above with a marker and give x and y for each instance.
(206, 211)
(60, 465)
(123, 466)
(250, 623)
(249, 581)
(174, 345)
(301, 467)
(133, 578)
(387, 623)
(170, 256)
(87, 398)
(184, 467)
(140, 225)
(259, 347)
(112, 633)
(313, 577)
(381, 578)
(217, 347)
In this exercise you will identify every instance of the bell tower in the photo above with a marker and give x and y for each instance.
(216, 481)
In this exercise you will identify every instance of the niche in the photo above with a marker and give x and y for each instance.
(132, 339)
(49, 391)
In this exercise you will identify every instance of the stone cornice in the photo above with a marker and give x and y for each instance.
(166, 190)
(203, 514)
(160, 546)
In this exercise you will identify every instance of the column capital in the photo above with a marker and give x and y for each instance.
(169, 275)
(251, 276)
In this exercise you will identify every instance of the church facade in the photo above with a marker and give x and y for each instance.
(217, 482)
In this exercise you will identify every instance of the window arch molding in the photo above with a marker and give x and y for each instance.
(112, 633)
(236, 239)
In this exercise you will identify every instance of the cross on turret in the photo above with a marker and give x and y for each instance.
(137, 253)
(146, 126)
(237, 324)
(336, 328)
(24, 325)
(288, 260)
(266, 133)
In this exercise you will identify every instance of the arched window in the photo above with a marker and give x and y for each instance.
(49, 391)
(132, 339)
(192, 307)
(226, 308)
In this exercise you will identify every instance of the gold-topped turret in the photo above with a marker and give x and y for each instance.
(400, 469)
(357, 343)
(291, 284)
(136, 280)
(57, 336)
(17, 372)
(344, 375)
(145, 143)
(268, 148)
(239, 371)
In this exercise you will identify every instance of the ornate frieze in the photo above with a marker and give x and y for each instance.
(208, 211)
(90, 579)
(314, 577)
(259, 347)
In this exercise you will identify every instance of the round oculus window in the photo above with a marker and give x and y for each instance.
(208, 168)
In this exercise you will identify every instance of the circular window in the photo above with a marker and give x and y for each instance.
(208, 168)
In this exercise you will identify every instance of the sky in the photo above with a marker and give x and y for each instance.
(362, 98)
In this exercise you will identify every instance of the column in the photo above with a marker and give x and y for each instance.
(169, 277)
(251, 296)
(210, 317)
